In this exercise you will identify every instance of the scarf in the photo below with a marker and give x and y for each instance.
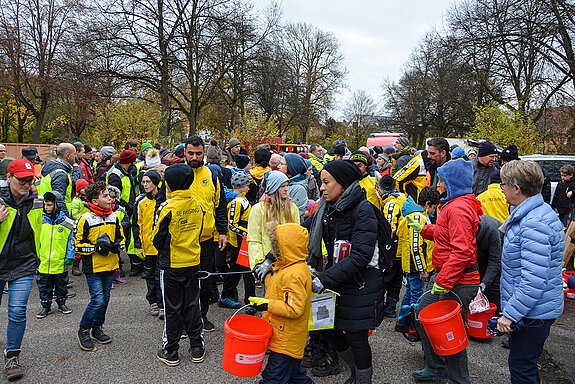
(315, 254)
(99, 211)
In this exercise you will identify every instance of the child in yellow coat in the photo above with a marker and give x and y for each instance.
(287, 305)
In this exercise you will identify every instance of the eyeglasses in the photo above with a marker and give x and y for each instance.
(24, 181)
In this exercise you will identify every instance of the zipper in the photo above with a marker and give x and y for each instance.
(50, 254)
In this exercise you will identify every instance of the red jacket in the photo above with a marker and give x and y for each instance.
(87, 173)
(455, 247)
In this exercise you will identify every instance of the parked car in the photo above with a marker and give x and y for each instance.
(552, 164)
(383, 139)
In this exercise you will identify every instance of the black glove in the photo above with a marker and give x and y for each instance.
(115, 248)
(103, 244)
(261, 307)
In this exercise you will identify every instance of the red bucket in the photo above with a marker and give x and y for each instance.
(477, 322)
(566, 275)
(245, 345)
(444, 327)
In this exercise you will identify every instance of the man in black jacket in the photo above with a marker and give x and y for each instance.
(489, 244)
(20, 218)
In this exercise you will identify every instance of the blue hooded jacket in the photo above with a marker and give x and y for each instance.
(531, 279)
(458, 178)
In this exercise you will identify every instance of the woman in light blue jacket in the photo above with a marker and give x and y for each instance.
(531, 283)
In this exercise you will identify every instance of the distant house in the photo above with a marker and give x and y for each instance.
(556, 124)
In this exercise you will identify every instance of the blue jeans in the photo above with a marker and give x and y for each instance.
(525, 348)
(18, 293)
(99, 285)
(282, 369)
(564, 218)
(48, 285)
(413, 291)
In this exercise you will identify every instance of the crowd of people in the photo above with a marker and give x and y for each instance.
(442, 221)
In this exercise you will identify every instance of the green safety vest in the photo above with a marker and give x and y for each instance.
(126, 185)
(46, 186)
(34, 217)
(53, 246)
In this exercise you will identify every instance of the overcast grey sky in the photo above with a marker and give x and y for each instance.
(376, 36)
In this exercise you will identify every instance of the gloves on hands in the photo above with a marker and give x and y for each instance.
(259, 303)
(140, 253)
(68, 261)
(262, 269)
(316, 285)
(115, 248)
(103, 244)
(414, 224)
(438, 290)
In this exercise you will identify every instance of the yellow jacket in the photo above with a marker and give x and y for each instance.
(392, 205)
(415, 250)
(411, 178)
(207, 189)
(238, 214)
(143, 223)
(177, 229)
(259, 244)
(368, 185)
(289, 291)
(493, 202)
(88, 227)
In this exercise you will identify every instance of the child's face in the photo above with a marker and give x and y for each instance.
(243, 189)
(149, 187)
(565, 176)
(49, 206)
(82, 192)
(430, 208)
(104, 200)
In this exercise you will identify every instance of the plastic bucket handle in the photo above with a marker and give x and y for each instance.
(429, 291)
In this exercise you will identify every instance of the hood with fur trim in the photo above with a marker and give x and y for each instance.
(289, 244)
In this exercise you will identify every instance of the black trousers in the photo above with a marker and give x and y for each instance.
(392, 280)
(152, 274)
(207, 263)
(358, 343)
(50, 285)
(231, 282)
(181, 293)
(282, 369)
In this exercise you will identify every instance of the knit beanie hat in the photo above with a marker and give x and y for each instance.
(233, 142)
(495, 177)
(457, 152)
(179, 150)
(510, 153)
(486, 148)
(262, 157)
(127, 157)
(241, 161)
(275, 161)
(403, 141)
(154, 176)
(146, 145)
(164, 152)
(274, 180)
(87, 148)
(339, 150)
(213, 153)
(389, 150)
(295, 164)
(107, 151)
(4, 164)
(360, 157)
(49, 196)
(80, 184)
(240, 179)
(344, 172)
(386, 185)
(179, 176)
(153, 158)
(307, 164)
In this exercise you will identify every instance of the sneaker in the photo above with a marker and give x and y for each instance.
(228, 303)
(99, 335)
(43, 313)
(198, 354)
(154, 310)
(170, 359)
(208, 325)
(64, 309)
(12, 364)
(399, 328)
(427, 375)
(76, 269)
(161, 313)
(85, 340)
(330, 366)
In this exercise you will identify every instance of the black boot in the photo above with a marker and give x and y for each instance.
(363, 376)
(99, 335)
(389, 309)
(85, 340)
(44, 312)
(313, 355)
(347, 356)
(136, 270)
(329, 366)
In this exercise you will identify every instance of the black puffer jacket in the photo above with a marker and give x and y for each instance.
(18, 257)
(360, 306)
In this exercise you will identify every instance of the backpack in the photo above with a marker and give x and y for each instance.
(386, 240)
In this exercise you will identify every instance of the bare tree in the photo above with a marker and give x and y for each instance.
(360, 112)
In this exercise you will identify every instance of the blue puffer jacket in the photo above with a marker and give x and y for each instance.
(531, 282)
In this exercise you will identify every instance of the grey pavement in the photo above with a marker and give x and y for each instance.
(50, 351)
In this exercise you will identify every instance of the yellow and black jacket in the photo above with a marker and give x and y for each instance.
(494, 203)
(368, 186)
(143, 223)
(238, 214)
(411, 178)
(415, 250)
(177, 230)
(88, 227)
(392, 205)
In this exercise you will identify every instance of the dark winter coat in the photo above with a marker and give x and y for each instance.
(360, 306)
(481, 176)
(560, 200)
(489, 243)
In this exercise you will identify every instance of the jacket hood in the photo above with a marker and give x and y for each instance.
(404, 151)
(299, 179)
(410, 207)
(216, 168)
(258, 172)
(60, 205)
(52, 165)
(7, 198)
(350, 197)
(458, 178)
(289, 244)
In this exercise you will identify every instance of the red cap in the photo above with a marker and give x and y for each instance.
(21, 168)
(81, 184)
(127, 157)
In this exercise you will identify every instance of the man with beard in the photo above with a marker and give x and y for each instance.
(209, 192)
(437, 154)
